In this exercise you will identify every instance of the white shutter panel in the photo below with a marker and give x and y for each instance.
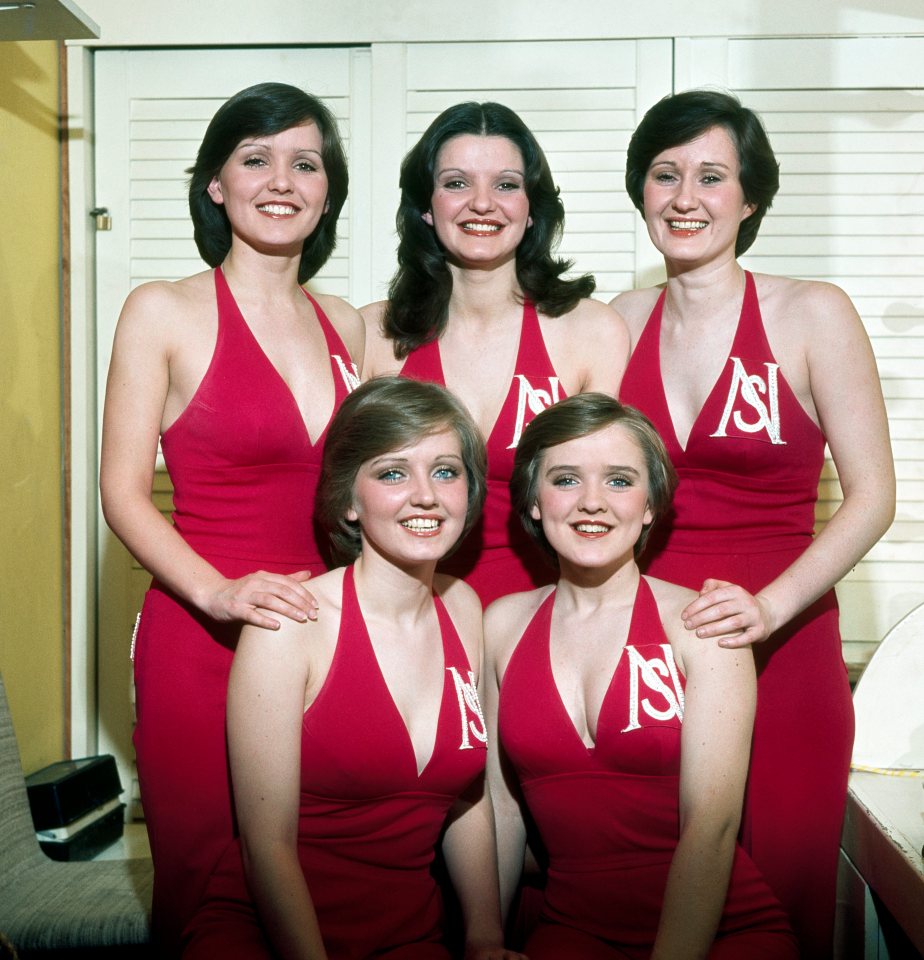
(844, 116)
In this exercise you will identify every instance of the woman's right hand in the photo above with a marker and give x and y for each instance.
(248, 598)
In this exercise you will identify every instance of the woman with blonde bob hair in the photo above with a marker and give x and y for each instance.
(357, 742)
(624, 736)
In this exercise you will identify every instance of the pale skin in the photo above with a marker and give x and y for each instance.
(824, 354)
(479, 180)
(275, 680)
(164, 343)
(590, 620)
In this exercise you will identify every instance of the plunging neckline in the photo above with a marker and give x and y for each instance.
(420, 770)
(282, 380)
(563, 707)
(669, 418)
(489, 436)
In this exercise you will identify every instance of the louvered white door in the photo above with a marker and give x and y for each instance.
(846, 119)
(152, 108)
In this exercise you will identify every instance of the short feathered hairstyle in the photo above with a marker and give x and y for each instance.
(382, 415)
(682, 117)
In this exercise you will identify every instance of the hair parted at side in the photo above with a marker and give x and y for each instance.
(580, 416)
(682, 117)
(380, 416)
(420, 290)
(259, 111)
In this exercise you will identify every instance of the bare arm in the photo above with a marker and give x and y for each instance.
(266, 701)
(715, 746)
(502, 629)
(848, 399)
(136, 395)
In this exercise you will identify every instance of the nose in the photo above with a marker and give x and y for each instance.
(685, 198)
(423, 492)
(592, 500)
(482, 199)
(280, 178)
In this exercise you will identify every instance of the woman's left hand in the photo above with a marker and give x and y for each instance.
(726, 610)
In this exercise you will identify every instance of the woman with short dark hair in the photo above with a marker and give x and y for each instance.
(747, 377)
(237, 372)
(479, 303)
(624, 736)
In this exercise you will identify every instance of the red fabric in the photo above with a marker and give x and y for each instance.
(609, 814)
(245, 475)
(498, 557)
(368, 824)
(744, 511)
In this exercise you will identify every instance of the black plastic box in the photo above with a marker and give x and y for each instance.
(75, 807)
(65, 791)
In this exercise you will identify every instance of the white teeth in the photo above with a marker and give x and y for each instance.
(278, 209)
(688, 224)
(420, 524)
(481, 227)
(591, 527)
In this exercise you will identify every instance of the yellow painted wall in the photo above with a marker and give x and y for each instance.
(31, 540)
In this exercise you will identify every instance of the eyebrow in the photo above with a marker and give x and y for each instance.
(704, 163)
(505, 172)
(260, 142)
(610, 468)
(394, 458)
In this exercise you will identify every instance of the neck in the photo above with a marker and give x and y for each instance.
(260, 275)
(394, 592)
(482, 295)
(589, 589)
(693, 294)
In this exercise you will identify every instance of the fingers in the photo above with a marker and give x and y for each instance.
(727, 611)
(273, 592)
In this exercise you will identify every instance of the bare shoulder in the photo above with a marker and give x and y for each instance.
(804, 303)
(635, 307)
(380, 354)
(588, 346)
(347, 322)
(167, 314)
(671, 599)
(166, 298)
(506, 619)
(459, 598)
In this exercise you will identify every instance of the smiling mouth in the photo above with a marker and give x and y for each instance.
(687, 226)
(423, 526)
(591, 529)
(277, 209)
(482, 228)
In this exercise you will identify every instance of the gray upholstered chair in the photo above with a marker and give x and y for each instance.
(90, 908)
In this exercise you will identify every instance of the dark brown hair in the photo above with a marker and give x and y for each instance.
(682, 117)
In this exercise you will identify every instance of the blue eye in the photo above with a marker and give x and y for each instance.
(445, 473)
(564, 481)
(391, 475)
(254, 162)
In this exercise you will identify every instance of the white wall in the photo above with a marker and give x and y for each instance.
(233, 22)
